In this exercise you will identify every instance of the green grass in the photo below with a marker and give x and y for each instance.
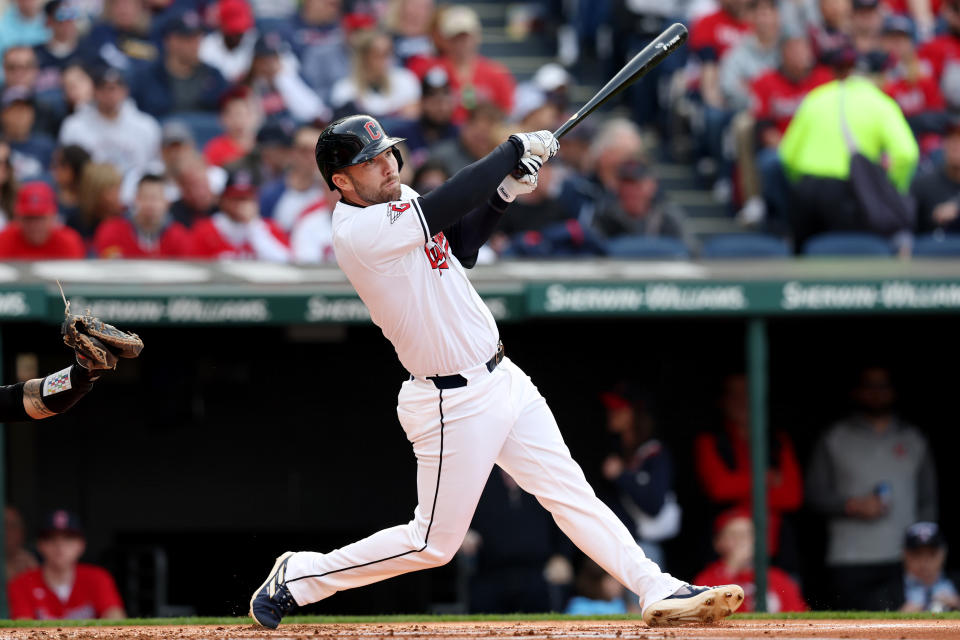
(421, 618)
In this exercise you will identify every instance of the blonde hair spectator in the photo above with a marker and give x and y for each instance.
(99, 196)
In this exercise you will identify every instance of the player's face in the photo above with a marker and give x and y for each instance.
(377, 180)
(924, 563)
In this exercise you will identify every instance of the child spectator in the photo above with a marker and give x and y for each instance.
(376, 86)
(63, 587)
(925, 586)
(723, 462)
(99, 198)
(36, 234)
(149, 231)
(67, 167)
(733, 540)
(240, 124)
(237, 231)
(598, 593)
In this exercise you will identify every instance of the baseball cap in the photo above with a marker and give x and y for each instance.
(15, 94)
(274, 134)
(866, 4)
(458, 19)
(633, 170)
(60, 521)
(435, 80)
(104, 74)
(185, 23)
(35, 199)
(551, 77)
(175, 131)
(268, 44)
(61, 10)
(236, 17)
(622, 396)
(898, 23)
(728, 516)
(924, 534)
(241, 183)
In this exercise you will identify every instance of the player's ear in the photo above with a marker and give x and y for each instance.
(340, 180)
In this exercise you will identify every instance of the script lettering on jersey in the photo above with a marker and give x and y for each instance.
(437, 253)
(396, 208)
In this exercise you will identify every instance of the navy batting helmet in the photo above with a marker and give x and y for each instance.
(350, 141)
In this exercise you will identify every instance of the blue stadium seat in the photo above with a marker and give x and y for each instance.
(847, 244)
(647, 247)
(745, 245)
(204, 126)
(939, 246)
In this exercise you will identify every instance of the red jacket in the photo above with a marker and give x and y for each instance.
(118, 238)
(94, 592)
(713, 34)
(220, 237)
(731, 485)
(939, 52)
(222, 150)
(63, 242)
(490, 82)
(783, 594)
(776, 98)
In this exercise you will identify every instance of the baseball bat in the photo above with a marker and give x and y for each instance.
(641, 64)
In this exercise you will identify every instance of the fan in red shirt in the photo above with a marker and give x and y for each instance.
(733, 541)
(36, 234)
(777, 93)
(723, 462)
(473, 78)
(713, 34)
(239, 120)
(237, 231)
(149, 231)
(63, 588)
(944, 50)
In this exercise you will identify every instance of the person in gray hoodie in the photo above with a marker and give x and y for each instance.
(872, 475)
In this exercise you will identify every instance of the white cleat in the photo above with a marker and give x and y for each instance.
(692, 604)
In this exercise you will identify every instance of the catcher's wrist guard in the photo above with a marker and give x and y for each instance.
(57, 392)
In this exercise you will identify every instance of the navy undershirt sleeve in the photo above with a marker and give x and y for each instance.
(470, 188)
(468, 234)
(11, 403)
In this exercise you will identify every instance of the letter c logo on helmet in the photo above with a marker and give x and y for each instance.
(373, 130)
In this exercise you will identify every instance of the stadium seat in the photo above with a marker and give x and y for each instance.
(938, 246)
(647, 247)
(745, 245)
(847, 244)
(204, 126)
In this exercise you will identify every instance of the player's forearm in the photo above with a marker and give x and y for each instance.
(470, 187)
(475, 228)
(46, 397)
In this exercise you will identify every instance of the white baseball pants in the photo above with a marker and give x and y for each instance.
(458, 435)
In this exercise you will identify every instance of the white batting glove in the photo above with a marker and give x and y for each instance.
(512, 187)
(538, 143)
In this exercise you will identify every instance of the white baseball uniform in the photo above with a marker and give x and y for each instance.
(419, 295)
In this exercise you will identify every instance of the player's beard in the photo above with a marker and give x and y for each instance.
(380, 194)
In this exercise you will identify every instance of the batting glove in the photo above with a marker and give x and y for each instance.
(538, 143)
(512, 187)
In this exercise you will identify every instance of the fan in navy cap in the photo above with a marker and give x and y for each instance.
(62, 49)
(63, 587)
(925, 585)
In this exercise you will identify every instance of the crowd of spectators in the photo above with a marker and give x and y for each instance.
(184, 128)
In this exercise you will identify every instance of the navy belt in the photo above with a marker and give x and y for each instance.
(455, 381)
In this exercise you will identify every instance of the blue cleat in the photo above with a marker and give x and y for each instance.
(704, 605)
(273, 600)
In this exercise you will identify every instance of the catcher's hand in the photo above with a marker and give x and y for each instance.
(97, 344)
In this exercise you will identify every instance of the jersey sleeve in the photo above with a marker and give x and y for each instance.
(105, 592)
(383, 233)
(18, 597)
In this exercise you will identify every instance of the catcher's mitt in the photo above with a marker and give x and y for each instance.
(97, 344)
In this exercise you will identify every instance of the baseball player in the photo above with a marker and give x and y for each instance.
(96, 345)
(465, 406)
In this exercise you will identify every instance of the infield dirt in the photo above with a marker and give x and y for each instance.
(565, 630)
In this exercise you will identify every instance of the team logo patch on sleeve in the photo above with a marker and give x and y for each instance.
(57, 382)
(396, 208)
